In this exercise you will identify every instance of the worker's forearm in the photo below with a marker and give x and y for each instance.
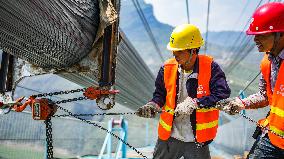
(255, 101)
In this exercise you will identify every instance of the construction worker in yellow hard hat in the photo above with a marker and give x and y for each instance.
(187, 88)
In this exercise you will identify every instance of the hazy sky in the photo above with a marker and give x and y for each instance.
(224, 14)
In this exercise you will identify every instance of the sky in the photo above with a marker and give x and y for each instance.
(224, 14)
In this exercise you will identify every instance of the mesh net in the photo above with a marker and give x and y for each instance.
(22, 137)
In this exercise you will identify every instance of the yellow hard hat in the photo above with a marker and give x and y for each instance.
(185, 36)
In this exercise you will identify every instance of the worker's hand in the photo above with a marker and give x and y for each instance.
(231, 106)
(149, 110)
(186, 107)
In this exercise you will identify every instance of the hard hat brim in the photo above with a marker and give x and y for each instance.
(180, 49)
(249, 32)
(173, 49)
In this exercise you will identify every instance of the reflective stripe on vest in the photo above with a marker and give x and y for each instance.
(206, 119)
(166, 126)
(169, 110)
(264, 122)
(206, 125)
(275, 119)
(206, 110)
(276, 130)
(277, 111)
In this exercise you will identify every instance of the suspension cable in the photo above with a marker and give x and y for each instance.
(237, 21)
(246, 87)
(241, 41)
(148, 28)
(187, 11)
(207, 24)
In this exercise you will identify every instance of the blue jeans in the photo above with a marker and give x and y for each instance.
(263, 149)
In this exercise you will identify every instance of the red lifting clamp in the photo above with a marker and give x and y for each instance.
(94, 93)
(42, 108)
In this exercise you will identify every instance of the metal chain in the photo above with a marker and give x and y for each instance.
(60, 92)
(96, 114)
(49, 141)
(250, 119)
(132, 113)
(265, 128)
(70, 100)
(199, 145)
(104, 129)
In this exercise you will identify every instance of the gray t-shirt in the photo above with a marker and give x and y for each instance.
(182, 129)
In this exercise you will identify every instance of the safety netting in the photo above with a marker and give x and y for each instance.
(22, 137)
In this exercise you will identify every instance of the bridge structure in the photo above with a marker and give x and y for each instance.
(81, 42)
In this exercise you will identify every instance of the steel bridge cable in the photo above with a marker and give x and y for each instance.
(247, 23)
(148, 28)
(187, 12)
(238, 19)
(240, 35)
(133, 77)
(245, 50)
(246, 87)
(248, 50)
(233, 49)
(207, 24)
(240, 53)
(243, 54)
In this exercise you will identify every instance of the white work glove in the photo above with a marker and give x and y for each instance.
(231, 106)
(235, 105)
(186, 107)
(149, 110)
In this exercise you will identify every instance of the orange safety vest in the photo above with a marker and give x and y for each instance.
(206, 119)
(275, 120)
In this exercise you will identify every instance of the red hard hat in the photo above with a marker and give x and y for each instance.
(268, 18)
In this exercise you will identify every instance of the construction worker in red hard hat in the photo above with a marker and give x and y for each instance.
(267, 25)
(187, 88)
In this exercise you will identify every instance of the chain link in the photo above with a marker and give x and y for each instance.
(104, 129)
(96, 114)
(132, 113)
(250, 119)
(262, 127)
(70, 100)
(60, 92)
(49, 141)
